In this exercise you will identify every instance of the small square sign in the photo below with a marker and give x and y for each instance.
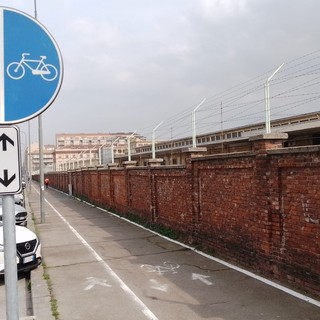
(10, 163)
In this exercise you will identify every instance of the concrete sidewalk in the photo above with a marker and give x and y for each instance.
(41, 299)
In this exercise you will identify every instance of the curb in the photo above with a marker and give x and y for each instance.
(41, 299)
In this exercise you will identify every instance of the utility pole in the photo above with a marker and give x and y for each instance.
(194, 135)
(267, 100)
(154, 140)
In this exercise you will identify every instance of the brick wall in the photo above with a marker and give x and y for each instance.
(259, 209)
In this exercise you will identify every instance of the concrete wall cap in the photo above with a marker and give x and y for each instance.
(270, 136)
(196, 149)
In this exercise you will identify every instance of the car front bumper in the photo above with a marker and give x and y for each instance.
(24, 263)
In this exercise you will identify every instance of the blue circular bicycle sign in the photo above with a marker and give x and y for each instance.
(31, 68)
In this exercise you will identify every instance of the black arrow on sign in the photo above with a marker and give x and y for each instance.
(5, 181)
(4, 139)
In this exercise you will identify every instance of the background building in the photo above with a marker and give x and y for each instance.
(75, 150)
(82, 150)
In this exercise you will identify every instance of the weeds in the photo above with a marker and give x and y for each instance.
(46, 277)
(53, 300)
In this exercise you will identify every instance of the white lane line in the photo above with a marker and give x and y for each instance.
(147, 312)
(227, 264)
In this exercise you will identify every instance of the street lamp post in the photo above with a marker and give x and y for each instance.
(129, 146)
(82, 153)
(42, 212)
(100, 153)
(194, 140)
(78, 161)
(112, 151)
(26, 158)
(267, 100)
(154, 140)
(29, 157)
(90, 157)
(9, 238)
(35, 9)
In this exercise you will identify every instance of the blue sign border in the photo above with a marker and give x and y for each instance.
(31, 67)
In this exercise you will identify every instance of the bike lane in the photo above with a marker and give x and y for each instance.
(83, 284)
(104, 267)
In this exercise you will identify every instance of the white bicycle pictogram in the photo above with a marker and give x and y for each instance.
(16, 70)
(166, 267)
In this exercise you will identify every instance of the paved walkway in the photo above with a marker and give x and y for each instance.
(234, 295)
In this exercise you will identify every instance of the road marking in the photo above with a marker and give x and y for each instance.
(91, 282)
(227, 264)
(145, 310)
(202, 278)
(158, 286)
(166, 267)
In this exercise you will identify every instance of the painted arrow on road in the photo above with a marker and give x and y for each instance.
(6, 181)
(91, 282)
(158, 286)
(202, 278)
(5, 139)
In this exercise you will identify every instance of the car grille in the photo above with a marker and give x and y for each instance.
(21, 216)
(27, 247)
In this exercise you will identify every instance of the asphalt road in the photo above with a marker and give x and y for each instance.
(104, 267)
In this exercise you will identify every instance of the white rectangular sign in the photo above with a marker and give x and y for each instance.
(10, 164)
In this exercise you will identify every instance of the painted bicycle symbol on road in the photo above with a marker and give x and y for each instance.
(16, 70)
(166, 267)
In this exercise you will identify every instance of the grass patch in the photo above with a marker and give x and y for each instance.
(53, 300)
(46, 277)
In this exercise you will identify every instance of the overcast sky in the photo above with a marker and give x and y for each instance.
(131, 64)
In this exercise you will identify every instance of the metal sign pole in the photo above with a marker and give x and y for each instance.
(19, 82)
(41, 173)
(10, 183)
(10, 262)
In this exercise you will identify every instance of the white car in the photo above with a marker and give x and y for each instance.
(19, 199)
(20, 213)
(28, 249)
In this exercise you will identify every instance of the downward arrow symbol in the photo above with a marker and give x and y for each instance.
(5, 181)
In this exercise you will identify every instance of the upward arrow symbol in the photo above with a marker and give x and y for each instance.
(5, 139)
